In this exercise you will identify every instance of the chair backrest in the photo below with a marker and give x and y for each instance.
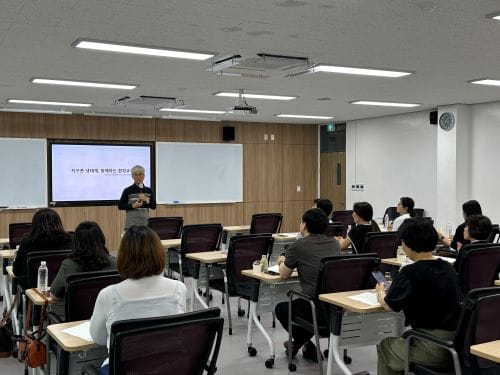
(478, 324)
(495, 234)
(384, 244)
(17, 231)
(266, 223)
(167, 228)
(344, 217)
(335, 229)
(82, 290)
(200, 237)
(243, 250)
(392, 214)
(181, 344)
(53, 260)
(343, 273)
(478, 267)
(419, 212)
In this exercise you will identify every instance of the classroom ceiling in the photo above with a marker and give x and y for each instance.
(445, 43)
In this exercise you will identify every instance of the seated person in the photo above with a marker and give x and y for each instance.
(47, 233)
(305, 254)
(426, 308)
(477, 230)
(362, 213)
(469, 208)
(88, 254)
(326, 205)
(405, 209)
(144, 294)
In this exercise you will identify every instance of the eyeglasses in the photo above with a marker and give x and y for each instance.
(138, 174)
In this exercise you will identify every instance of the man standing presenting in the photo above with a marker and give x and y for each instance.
(137, 199)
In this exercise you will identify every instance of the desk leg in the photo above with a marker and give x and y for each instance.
(334, 355)
(5, 291)
(253, 316)
(207, 287)
(194, 294)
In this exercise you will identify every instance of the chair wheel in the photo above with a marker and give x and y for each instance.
(325, 353)
(230, 331)
(211, 296)
(269, 363)
(292, 367)
(241, 312)
(274, 324)
(347, 360)
(252, 351)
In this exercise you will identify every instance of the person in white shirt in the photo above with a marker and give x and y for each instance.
(145, 293)
(405, 209)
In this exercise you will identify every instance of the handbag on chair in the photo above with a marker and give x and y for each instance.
(6, 331)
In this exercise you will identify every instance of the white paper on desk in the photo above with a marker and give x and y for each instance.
(275, 268)
(81, 331)
(369, 298)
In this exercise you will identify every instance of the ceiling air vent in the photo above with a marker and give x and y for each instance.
(151, 101)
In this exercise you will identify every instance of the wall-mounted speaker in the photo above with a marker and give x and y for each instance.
(228, 133)
(433, 117)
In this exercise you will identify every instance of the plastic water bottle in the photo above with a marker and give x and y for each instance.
(264, 264)
(43, 277)
(348, 229)
(386, 220)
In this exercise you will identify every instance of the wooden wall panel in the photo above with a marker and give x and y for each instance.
(297, 134)
(300, 168)
(194, 131)
(22, 125)
(262, 172)
(65, 127)
(292, 214)
(254, 132)
(226, 214)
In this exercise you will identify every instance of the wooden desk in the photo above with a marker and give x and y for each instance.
(176, 242)
(205, 258)
(68, 342)
(396, 262)
(272, 290)
(360, 324)
(4, 242)
(497, 282)
(8, 254)
(230, 231)
(36, 298)
(489, 350)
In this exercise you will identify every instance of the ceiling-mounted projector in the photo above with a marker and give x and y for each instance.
(242, 108)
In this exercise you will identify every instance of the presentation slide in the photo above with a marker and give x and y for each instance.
(94, 172)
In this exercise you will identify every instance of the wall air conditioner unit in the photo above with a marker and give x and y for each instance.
(242, 108)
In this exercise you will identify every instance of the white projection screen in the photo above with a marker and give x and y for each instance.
(199, 172)
(84, 173)
(24, 169)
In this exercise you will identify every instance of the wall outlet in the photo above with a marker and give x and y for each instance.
(298, 188)
(265, 137)
(361, 187)
(272, 137)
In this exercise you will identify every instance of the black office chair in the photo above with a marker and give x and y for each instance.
(166, 227)
(384, 244)
(419, 212)
(336, 274)
(183, 344)
(344, 217)
(478, 323)
(334, 229)
(243, 250)
(266, 223)
(194, 239)
(391, 214)
(17, 231)
(495, 234)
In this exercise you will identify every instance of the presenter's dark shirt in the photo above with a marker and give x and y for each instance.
(459, 237)
(428, 293)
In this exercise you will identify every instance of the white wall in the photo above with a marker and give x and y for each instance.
(485, 158)
(392, 156)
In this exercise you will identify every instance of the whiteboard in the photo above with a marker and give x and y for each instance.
(24, 172)
(199, 172)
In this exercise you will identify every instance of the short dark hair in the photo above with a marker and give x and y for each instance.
(315, 220)
(325, 205)
(364, 210)
(141, 253)
(409, 204)
(418, 234)
(479, 226)
(89, 247)
(471, 207)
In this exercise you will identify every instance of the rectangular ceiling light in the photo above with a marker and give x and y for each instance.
(194, 118)
(486, 82)
(305, 116)
(34, 111)
(359, 71)
(140, 50)
(99, 85)
(255, 96)
(191, 110)
(41, 102)
(495, 16)
(386, 104)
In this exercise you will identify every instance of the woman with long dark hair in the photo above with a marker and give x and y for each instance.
(88, 254)
(405, 209)
(47, 233)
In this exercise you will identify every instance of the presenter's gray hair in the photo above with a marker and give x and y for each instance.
(137, 168)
